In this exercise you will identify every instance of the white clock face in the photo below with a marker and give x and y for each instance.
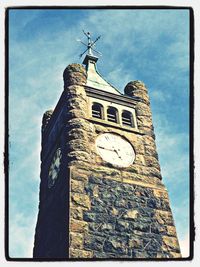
(115, 149)
(54, 168)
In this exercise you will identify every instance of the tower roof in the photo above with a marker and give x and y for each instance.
(94, 78)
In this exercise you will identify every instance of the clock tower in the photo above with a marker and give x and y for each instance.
(101, 190)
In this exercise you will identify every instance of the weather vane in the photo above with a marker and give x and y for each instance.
(90, 45)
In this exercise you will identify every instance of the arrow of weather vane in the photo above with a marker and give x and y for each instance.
(90, 45)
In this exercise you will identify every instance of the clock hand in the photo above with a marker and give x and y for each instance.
(117, 153)
(102, 147)
(113, 149)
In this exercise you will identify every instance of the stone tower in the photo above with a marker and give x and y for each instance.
(101, 190)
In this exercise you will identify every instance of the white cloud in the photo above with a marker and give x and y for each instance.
(21, 236)
(120, 77)
(160, 95)
(185, 246)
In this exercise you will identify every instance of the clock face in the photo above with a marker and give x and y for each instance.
(54, 168)
(115, 149)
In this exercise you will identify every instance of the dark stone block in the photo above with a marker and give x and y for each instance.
(108, 198)
(149, 235)
(89, 217)
(121, 203)
(117, 190)
(108, 194)
(109, 202)
(165, 205)
(109, 182)
(142, 201)
(97, 202)
(158, 229)
(98, 217)
(133, 204)
(138, 233)
(101, 229)
(115, 212)
(152, 254)
(148, 193)
(153, 203)
(95, 180)
(98, 209)
(151, 245)
(89, 188)
(145, 241)
(107, 228)
(122, 226)
(135, 242)
(128, 188)
(115, 245)
(139, 254)
(146, 212)
(93, 226)
(146, 220)
(129, 195)
(100, 255)
(143, 227)
(158, 238)
(139, 191)
(110, 219)
(94, 242)
(107, 255)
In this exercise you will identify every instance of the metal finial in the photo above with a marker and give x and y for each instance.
(90, 44)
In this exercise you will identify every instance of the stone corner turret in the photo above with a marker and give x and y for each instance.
(46, 118)
(137, 89)
(74, 74)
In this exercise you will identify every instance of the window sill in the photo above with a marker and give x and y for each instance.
(115, 125)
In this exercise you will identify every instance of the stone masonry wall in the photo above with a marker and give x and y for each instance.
(113, 219)
(115, 212)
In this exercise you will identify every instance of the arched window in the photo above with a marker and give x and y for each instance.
(97, 111)
(127, 119)
(112, 114)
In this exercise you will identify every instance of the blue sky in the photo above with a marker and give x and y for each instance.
(147, 45)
